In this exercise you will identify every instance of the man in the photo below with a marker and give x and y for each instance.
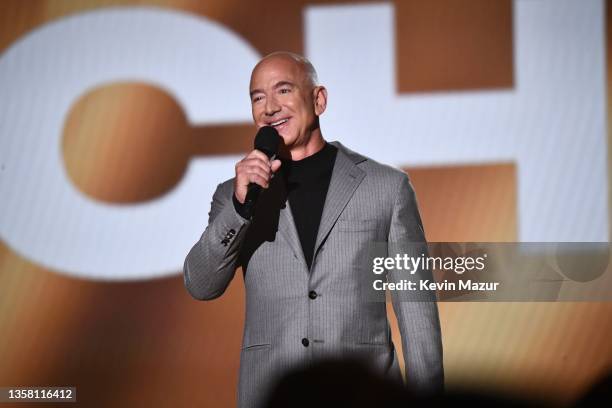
(321, 208)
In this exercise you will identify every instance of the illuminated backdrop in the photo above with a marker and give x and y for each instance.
(118, 120)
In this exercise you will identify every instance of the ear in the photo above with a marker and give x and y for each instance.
(319, 99)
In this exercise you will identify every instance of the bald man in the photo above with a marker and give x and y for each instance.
(323, 206)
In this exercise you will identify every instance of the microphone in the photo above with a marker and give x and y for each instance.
(267, 141)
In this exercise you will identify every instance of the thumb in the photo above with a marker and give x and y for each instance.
(275, 165)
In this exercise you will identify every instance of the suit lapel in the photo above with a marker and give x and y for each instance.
(289, 231)
(345, 179)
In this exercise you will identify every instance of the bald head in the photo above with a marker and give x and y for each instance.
(302, 63)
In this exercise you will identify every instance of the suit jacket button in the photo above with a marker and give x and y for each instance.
(312, 294)
(305, 342)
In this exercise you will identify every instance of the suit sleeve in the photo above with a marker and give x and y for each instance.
(211, 263)
(417, 316)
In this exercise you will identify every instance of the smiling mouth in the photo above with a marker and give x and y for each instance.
(279, 123)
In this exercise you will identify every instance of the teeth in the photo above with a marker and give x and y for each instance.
(279, 122)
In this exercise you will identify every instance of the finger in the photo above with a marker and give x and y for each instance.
(275, 165)
(258, 154)
(257, 172)
(253, 165)
(258, 179)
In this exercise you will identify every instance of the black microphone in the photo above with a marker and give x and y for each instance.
(267, 141)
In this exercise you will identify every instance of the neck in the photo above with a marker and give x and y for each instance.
(314, 144)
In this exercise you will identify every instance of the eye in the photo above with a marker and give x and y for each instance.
(257, 98)
(284, 90)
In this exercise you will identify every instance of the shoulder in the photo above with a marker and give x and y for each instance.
(375, 171)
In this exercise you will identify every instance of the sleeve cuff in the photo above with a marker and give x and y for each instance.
(240, 208)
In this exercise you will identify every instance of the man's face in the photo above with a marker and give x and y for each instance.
(282, 97)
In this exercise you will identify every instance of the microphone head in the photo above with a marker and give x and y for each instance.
(267, 141)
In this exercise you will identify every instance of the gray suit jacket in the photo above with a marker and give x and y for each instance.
(366, 202)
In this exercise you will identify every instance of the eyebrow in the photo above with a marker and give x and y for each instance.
(276, 86)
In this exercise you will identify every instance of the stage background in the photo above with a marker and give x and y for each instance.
(119, 118)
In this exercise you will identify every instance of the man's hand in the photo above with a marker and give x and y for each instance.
(254, 168)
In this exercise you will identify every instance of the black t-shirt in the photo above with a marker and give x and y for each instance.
(307, 183)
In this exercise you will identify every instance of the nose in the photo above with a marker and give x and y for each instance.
(272, 106)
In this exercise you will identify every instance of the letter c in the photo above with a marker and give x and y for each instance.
(43, 217)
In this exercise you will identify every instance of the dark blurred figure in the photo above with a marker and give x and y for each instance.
(337, 383)
(351, 383)
(599, 395)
